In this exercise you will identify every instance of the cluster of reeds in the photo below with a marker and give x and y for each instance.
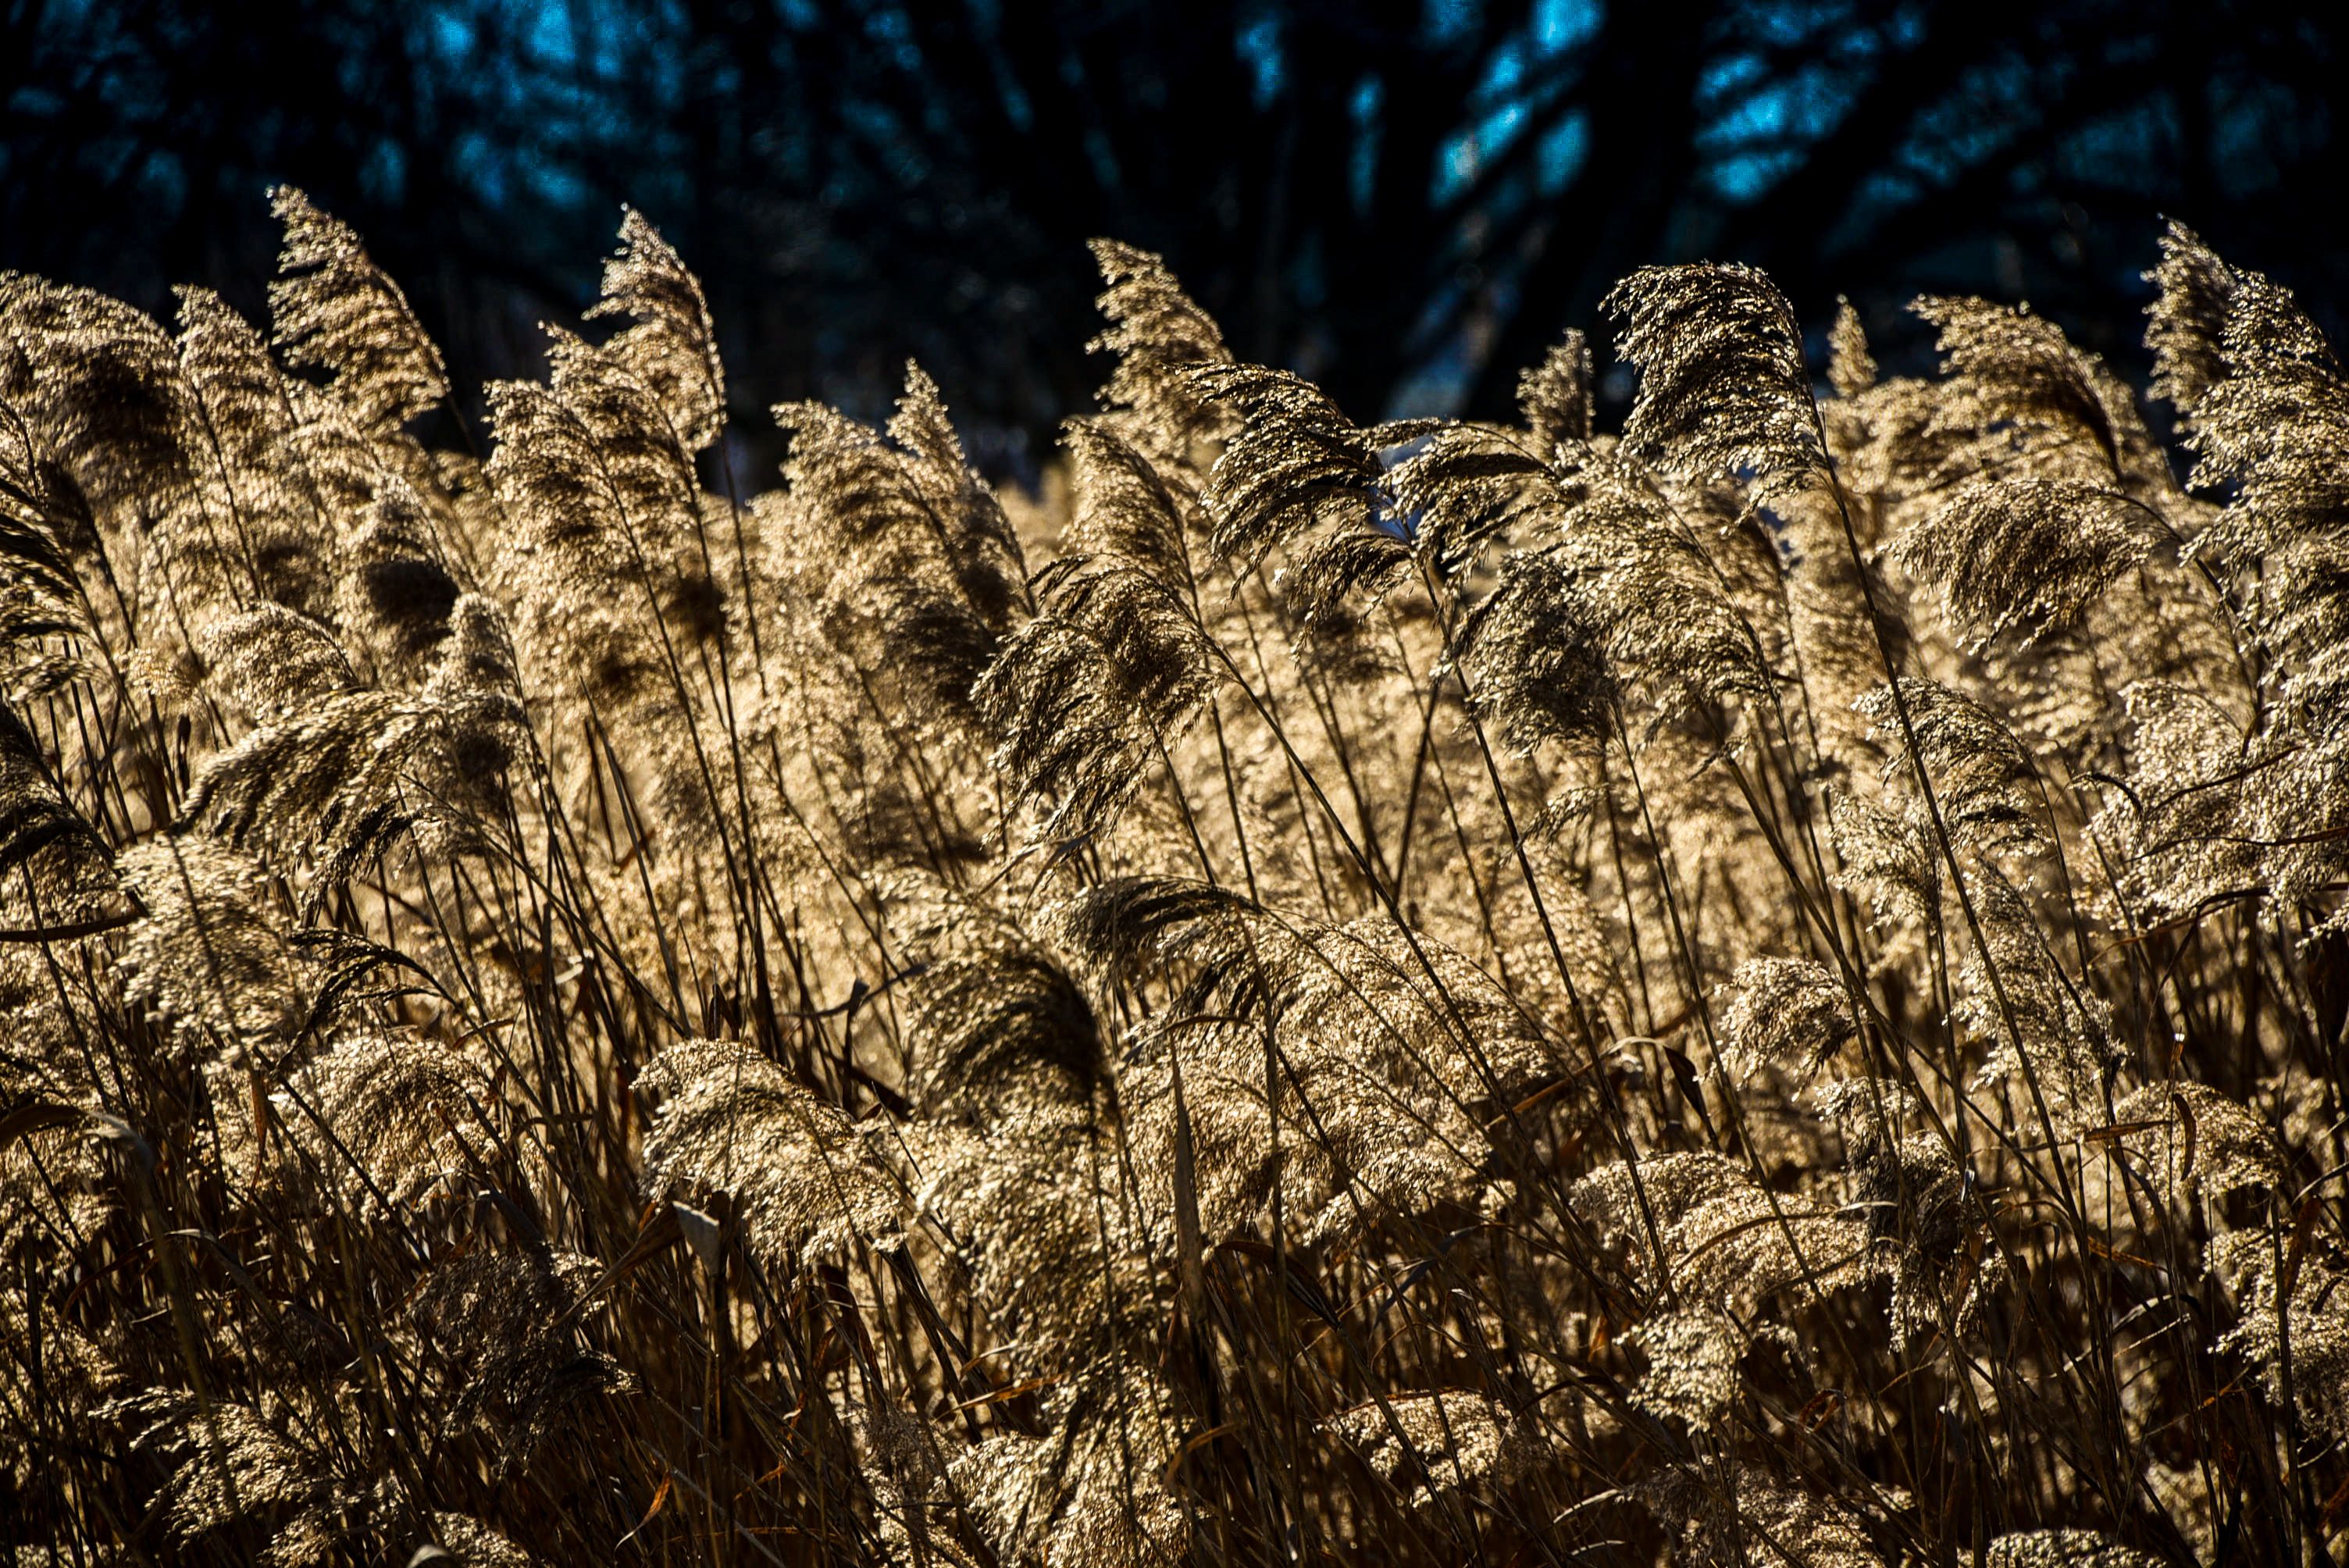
(1767, 990)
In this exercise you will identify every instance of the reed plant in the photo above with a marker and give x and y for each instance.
(1765, 989)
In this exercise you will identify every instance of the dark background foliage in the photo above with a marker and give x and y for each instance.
(1405, 199)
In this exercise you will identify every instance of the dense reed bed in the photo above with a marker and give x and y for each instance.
(1768, 989)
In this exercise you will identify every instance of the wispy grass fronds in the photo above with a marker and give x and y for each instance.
(1768, 988)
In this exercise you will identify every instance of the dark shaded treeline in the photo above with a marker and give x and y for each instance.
(1407, 198)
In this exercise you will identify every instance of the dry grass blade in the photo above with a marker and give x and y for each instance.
(55, 877)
